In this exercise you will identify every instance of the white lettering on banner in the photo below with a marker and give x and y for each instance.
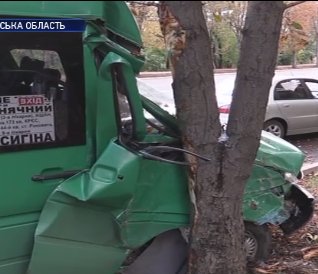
(33, 25)
(26, 120)
(12, 25)
(44, 25)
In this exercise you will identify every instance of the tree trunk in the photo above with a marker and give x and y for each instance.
(317, 50)
(215, 50)
(217, 187)
(294, 64)
(239, 38)
(316, 33)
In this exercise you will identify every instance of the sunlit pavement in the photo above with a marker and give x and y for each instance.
(163, 84)
(159, 88)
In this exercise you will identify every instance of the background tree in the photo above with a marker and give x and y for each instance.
(217, 187)
(232, 13)
(146, 16)
(297, 32)
(315, 22)
(225, 21)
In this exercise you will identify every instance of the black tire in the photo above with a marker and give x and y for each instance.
(263, 240)
(169, 251)
(278, 124)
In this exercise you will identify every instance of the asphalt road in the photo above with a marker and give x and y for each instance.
(163, 84)
(160, 87)
(308, 143)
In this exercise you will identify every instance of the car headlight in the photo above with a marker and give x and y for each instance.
(290, 178)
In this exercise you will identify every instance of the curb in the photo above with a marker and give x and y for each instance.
(147, 74)
(310, 168)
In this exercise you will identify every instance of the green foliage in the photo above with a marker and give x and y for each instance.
(225, 51)
(226, 55)
(155, 59)
(226, 47)
(296, 25)
(217, 17)
(285, 58)
(307, 55)
(224, 27)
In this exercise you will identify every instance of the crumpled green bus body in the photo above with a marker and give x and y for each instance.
(95, 194)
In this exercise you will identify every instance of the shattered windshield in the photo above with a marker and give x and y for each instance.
(153, 125)
(163, 99)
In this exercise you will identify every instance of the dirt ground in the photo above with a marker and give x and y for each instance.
(297, 254)
(308, 143)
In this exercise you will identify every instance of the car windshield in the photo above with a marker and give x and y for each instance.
(163, 99)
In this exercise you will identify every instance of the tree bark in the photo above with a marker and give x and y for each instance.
(316, 36)
(294, 63)
(316, 49)
(217, 187)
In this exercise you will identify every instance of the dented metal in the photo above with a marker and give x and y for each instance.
(124, 200)
(93, 220)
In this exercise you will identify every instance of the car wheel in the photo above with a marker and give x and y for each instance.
(169, 251)
(258, 241)
(275, 127)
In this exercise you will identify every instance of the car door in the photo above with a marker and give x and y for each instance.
(312, 86)
(297, 105)
(42, 133)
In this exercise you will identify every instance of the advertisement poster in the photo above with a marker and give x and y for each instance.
(26, 120)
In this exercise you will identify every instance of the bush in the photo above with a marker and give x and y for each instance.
(155, 59)
(285, 58)
(307, 55)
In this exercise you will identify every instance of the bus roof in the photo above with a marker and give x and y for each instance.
(116, 14)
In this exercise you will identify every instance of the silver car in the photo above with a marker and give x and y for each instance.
(292, 105)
